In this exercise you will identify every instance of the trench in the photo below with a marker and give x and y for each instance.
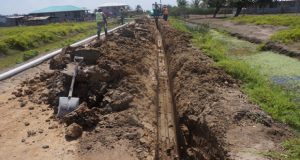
(167, 146)
(178, 136)
(195, 138)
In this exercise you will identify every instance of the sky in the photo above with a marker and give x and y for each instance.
(9, 7)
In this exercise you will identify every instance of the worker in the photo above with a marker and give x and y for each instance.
(156, 12)
(165, 13)
(122, 12)
(101, 21)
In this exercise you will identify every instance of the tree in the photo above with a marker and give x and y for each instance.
(195, 3)
(139, 8)
(217, 4)
(182, 3)
(240, 4)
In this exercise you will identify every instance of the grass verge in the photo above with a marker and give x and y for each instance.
(14, 56)
(287, 36)
(273, 99)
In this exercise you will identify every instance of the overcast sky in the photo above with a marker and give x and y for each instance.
(26, 6)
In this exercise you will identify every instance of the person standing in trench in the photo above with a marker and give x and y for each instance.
(165, 13)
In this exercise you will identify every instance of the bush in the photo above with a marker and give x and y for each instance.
(3, 48)
(29, 54)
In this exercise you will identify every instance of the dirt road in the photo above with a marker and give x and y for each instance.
(144, 94)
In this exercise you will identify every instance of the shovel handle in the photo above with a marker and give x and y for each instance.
(74, 75)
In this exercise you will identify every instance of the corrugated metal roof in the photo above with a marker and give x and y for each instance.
(15, 17)
(112, 4)
(38, 18)
(66, 8)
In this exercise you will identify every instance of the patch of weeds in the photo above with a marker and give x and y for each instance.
(3, 48)
(29, 54)
(287, 36)
(19, 61)
(271, 19)
(261, 47)
(291, 148)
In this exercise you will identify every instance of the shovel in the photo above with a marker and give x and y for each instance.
(69, 104)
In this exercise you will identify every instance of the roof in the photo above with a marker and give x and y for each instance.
(113, 4)
(38, 18)
(15, 17)
(51, 9)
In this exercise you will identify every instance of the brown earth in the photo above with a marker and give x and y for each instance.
(250, 32)
(119, 116)
(216, 119)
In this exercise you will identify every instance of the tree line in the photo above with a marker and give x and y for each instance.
(218, 4)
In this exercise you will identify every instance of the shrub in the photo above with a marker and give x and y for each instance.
(29, 54)
(3, 48)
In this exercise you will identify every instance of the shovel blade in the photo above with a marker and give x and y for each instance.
(67, 105)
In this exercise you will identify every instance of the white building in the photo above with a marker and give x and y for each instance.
(113, 8)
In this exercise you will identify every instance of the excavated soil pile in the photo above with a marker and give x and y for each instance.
(215, 119)
(115, 84)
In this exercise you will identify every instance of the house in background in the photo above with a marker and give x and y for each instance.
(15, 20)
(2, 20)
(32, 21)
(60, 13)
(113, 9)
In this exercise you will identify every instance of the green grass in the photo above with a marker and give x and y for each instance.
(14, 56)
(287, 36)
(278, 102)
(29, 37)
(276, 20)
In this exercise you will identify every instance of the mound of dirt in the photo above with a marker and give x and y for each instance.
(115, 86)
(211, 108)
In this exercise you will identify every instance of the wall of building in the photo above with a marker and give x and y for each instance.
(112, 11)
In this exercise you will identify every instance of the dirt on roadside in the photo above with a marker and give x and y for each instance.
(216, 119)
(118, 114)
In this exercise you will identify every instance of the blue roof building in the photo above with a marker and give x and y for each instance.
(61, 13)
(52, 9)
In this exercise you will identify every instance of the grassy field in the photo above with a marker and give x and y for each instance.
(18, 44)
(238, 59)
(292, 21)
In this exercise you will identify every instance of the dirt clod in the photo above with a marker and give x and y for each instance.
(23, 104)
(74, 131)
(83, 116)
(31, 133)
(45, 146)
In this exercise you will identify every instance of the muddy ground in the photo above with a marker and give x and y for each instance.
(260, 34)
(120, 86)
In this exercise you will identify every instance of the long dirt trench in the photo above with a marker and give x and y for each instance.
(145, 93)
